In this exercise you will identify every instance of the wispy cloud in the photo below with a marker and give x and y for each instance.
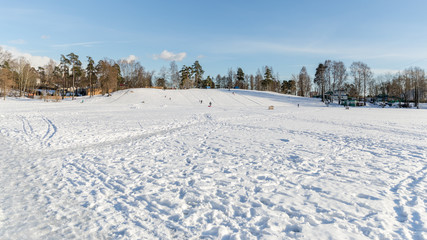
(323, 49)
(283, 48)
(380, 71)
(35, 61)
(248, 47)
(18, 41)
(84, 44)
(45, 37)
(170, 56)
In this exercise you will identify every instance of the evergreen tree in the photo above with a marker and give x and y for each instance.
(240, 78)
(109, 75)
(267, 82)
(319, 79)
(64, 70)
(197, 71)
(90, 70)
(208, 82)
(76, 64)
(185, 76)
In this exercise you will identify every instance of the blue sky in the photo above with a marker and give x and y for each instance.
(286, 35)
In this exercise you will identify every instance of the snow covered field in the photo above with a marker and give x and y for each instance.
(153, 164)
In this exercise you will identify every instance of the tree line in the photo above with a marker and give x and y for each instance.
(405, 86)
(107, 75)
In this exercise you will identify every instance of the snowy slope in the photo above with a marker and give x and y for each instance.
(154, 164)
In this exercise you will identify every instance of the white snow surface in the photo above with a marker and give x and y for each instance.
(155, 164)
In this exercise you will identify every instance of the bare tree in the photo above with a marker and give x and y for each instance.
(49, 71)
(230, 77)
(129, 71)
(25, 74)
(339, 75)
(258, 80)
(416, 77)
(247, 81)
(174, 74)
(383, 83)
(328, 75)
(5, 56)
(161, 78)
(373, 87)
(304, 83)
(295, 79)
(361, 74)
(252, 82)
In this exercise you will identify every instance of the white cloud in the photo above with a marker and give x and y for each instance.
(45, 37)
(18, 41)
(170, 56)
(35, 61)
(130, 58)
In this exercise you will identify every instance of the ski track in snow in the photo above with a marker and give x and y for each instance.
(105, 169)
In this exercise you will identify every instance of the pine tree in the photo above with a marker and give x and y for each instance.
(319, 79)
(240, 78)
(75, 62)
(197, 71)
(185, 76)
(267, 82)
(90, 69)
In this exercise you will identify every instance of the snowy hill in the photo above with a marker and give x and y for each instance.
(192, 97)
(154, 164)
